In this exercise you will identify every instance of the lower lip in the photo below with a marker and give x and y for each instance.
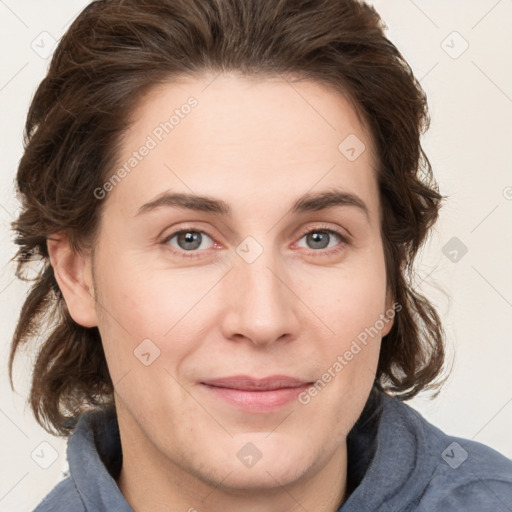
(257, 401)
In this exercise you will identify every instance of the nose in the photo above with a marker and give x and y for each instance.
(260, 303)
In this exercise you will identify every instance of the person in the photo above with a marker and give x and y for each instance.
(226, 198)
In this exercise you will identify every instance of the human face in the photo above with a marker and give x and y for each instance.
(249, 292)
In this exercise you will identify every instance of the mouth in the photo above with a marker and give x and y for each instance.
(256, 395)
(246, 383)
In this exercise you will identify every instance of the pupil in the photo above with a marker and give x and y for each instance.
(317, 239)
(191, 238)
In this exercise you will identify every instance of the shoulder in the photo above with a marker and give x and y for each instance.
(63, 497)
(467, 475)
(470, 476)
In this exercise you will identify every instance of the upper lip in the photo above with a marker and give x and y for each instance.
(245, 382)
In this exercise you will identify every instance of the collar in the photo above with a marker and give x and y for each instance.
(388, 458)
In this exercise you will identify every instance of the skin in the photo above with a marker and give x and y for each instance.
(258, 145)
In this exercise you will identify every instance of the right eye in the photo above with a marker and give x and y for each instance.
(187, 240)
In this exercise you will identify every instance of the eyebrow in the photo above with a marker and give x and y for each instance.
(310, 202)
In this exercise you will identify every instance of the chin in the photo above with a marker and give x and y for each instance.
(260, 478)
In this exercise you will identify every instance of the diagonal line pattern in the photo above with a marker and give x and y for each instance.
(485, 15)
(8, 212)
(12, 488)
(211, 81)
(115, 384)
(424, 14)
(428, 72)
(492, 211)
(492, 81)
(493, 287)
(288, 492)
(13, 13)
(14, 76)
(215, 488)
(7, 286)
(279, 424)
(508, 401)
(426, 277)
(13, 423)
(72, 18)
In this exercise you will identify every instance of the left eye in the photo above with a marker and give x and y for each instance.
(320, 238)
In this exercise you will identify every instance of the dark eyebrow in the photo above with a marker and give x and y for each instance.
(188, 201)
(314, 202)
(311, 202)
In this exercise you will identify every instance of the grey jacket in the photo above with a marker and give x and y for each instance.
(397, 462)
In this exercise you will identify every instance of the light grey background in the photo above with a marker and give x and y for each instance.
(470, 147)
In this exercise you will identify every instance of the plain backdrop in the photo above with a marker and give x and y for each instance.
(461, 52)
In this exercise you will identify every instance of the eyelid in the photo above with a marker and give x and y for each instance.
(180, 229)
(325, 227)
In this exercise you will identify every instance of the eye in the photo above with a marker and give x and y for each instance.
(320, 238)
(187, 240)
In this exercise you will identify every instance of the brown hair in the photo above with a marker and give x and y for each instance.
(110, 56)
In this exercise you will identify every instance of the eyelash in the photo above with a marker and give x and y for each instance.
(323, 229)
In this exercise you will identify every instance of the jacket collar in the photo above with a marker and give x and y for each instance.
(389, 462)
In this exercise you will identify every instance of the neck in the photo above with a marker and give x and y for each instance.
(151, 481)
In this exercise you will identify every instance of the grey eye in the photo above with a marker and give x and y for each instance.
(188, 240)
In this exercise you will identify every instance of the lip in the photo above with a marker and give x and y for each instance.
(256, 395)
(247, 383)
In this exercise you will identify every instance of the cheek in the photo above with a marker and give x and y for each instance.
(351, 302)
(351, 309)
(139, 304)
(350, 353)
(144, 301)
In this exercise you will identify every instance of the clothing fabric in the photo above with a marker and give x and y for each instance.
(397, 462)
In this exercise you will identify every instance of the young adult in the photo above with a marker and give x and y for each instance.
(228, 196)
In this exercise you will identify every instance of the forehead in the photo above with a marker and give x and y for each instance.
(230, 134)
(248, 109)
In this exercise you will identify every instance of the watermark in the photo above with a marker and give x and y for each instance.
(454, 249)
(146, 352)
(249, 249)
(351, 147)
(157, 135)
(343, 360)
(249, 455)
(44, 455)
(454, 455)
(44, 44)
(454, 44)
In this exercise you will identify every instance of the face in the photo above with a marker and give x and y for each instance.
(252, 281)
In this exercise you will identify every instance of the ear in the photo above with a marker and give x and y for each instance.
(73, 273)
(390, 313)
